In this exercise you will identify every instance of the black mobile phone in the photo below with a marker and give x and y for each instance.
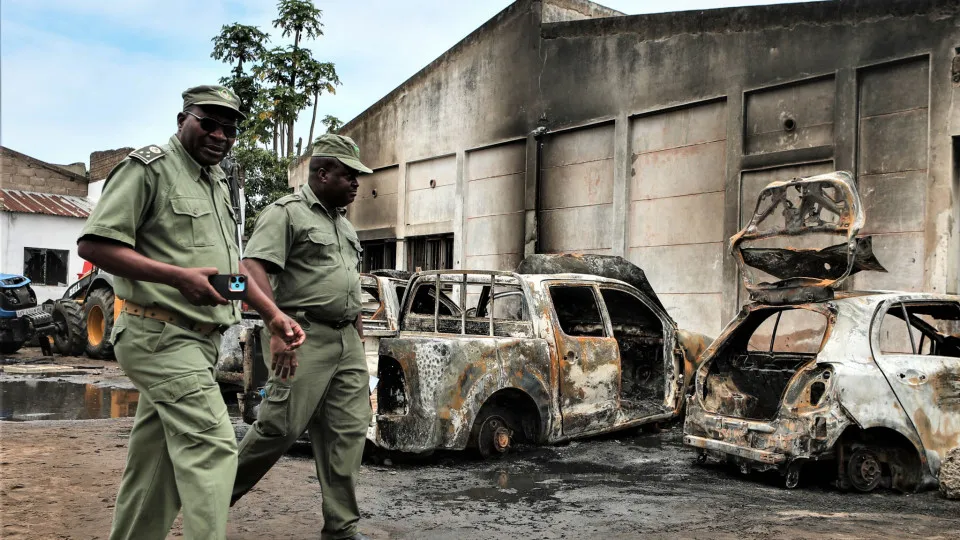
(230, 286)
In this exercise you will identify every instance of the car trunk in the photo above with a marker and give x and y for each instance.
(752, 369)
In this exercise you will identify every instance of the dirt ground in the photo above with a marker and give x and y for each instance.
(58, 479)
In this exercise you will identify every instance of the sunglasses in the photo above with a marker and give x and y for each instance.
(210, 125)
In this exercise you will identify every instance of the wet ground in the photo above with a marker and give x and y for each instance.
(59, 480)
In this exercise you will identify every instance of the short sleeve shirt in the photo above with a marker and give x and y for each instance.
(317, 252)
(174, 211)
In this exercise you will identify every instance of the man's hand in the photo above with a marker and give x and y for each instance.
(288, 329)
(194, 285)
(283, 359)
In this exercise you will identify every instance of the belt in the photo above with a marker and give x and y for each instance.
(336, 325)
(167, 316)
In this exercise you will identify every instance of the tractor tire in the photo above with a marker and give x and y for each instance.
(71, 336)
(98, 311)
(10, 347)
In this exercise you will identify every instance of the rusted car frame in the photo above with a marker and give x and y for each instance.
(517, 367)
(868, 380)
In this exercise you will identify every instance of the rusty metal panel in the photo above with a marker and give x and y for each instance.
(29, 202)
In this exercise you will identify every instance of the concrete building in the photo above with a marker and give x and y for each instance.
(42, 211)
(561, 125)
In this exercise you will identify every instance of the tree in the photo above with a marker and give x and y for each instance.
(318, 77)
(332, 122)
(274, 86)
(240, 43)
(297, 18)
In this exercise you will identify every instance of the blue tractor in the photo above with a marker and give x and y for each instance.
(20, 316)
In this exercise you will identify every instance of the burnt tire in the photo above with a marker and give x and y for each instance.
(98, 313)
(71, 336)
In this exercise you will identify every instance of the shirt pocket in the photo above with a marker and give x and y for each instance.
(321, 248)
(356, 252)
(194, 223)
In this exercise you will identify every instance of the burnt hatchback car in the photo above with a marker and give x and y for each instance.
(534, 356)
(867, 380)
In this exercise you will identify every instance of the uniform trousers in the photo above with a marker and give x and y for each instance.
(329, 398)
(183, 450)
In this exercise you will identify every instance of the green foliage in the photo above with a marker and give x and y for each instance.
(332, 123)
(274, 85)
(265, 179)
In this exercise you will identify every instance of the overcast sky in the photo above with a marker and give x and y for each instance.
(77, 76)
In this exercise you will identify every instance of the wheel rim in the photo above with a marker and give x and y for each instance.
(864, 470)
(495, 437)
(96, 326)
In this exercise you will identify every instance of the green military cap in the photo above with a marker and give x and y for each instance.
(220, 96)
(342, 148)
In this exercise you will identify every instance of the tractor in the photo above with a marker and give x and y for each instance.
(85, 315)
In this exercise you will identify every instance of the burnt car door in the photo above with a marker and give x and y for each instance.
(649, 361)
(918, 350)
(588, 359)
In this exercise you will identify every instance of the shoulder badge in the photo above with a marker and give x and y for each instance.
(148, 154)
(287, 199)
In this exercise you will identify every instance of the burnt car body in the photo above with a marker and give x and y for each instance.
(867, 380)
(538, 358)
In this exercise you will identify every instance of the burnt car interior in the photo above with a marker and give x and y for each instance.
(370, 305)
(637, 330)
(753, 367)
(933, 329)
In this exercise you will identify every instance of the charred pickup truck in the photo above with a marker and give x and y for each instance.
(867, 380)
(485, 358)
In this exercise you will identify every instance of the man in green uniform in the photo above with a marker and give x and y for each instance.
(313, 254)
(163, 225)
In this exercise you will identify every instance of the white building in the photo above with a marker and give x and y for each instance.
(43, 208)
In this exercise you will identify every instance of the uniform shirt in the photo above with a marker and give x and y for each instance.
(317, 252)
(170, 210)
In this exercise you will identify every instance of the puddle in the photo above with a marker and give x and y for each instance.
(60, 400)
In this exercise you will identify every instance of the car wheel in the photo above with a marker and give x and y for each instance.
(98, 308)
(864, 469)
(492, 434)
(71, 337)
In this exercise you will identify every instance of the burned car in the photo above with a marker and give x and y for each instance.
(866, 381)
(532, 356)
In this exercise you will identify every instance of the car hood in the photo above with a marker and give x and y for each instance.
(802, 242)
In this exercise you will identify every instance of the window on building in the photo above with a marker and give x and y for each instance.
(430, 252)
(46, 266)
(379, 255)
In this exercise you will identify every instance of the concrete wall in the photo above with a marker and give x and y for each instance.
(19, 171)
(39, 231)
(567, 128)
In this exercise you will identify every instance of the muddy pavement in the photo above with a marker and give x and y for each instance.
(58, 479)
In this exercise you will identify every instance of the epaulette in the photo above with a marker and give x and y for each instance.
(148, 154)
(287, 199)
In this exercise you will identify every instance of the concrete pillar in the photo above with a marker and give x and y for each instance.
(845, 121)
(621, 183)
(731, 214)
(401, 214)
(459, 216)
(530, 198)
